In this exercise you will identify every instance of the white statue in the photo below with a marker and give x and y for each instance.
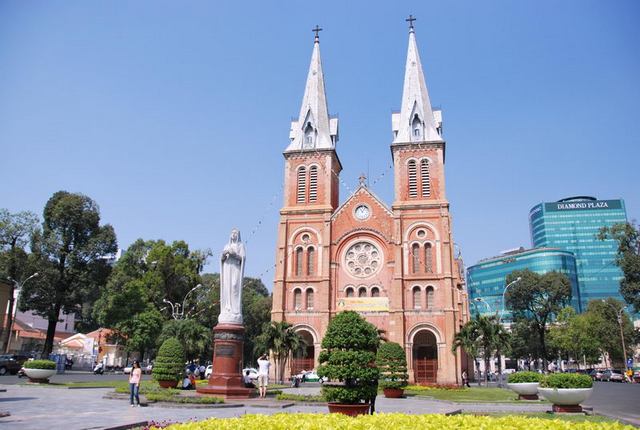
(231, 274)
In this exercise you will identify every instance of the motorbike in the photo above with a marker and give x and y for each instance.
(98, 369)
(21, 372)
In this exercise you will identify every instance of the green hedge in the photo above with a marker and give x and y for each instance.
(566, 380)
(169, 364)
(523, 377)
(392, 362)
(39, 364)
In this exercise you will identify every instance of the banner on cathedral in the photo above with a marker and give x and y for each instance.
(364, 304)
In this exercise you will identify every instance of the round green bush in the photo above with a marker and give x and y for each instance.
(524, 377)
(39, 364)
(392, 362)
(169, 364)
(566, 380)
(349, 354)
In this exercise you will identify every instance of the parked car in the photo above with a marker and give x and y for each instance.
(508, 371)
(596, 374)
(309, 376)
(253, 373)
(208, 371)
(11, 363)
(613, 375)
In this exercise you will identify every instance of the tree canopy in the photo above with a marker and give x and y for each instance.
(628, 259)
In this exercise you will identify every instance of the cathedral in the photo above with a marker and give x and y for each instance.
(394, 264)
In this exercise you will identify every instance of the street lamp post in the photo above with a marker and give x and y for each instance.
(481, 300)
(504, 292)
(619, 313)
(177, 309)
(17, 286)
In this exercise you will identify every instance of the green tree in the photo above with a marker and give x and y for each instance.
(142, 331)
(525, 342)
(15, 231)
(574, 337)
(69, 254)
(169, 364)
(538, 299)
(392, 363)
(628, 259)
(280, 338)
(602, 319)
(194, 337)
(467, 339)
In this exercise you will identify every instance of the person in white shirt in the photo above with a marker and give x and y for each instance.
(263, 374)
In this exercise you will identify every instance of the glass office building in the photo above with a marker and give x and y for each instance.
(486, 280)
(573, 224)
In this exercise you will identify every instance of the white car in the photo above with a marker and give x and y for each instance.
(310, 376)
(253, 373)
(208, 371)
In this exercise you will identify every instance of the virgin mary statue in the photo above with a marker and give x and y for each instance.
(231, 274)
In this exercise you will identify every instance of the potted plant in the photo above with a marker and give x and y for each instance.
(566, 390)
(169, 364)
(39, 370)
(348, 359)
(392, 363)
(525, 384)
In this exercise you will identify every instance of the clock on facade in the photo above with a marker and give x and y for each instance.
(362, 212)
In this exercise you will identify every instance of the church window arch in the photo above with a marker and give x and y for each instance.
(308, 134)
(362, 292)
(297, 299)
(416, 127)
(415, 258)
(375, 292)
(430, 297)
(302, 184)
(298, 263)
(309, 298)
(349, 292)
(428, 258)
(311, 260)
(313, 184)
(417, 297)
(413, 178)
(425, 182)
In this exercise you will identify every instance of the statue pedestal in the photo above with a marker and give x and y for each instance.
(226, 379)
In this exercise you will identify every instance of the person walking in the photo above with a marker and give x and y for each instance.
(263, 375)
(134, 383)
(465, 379)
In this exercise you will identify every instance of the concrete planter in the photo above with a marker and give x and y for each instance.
(393, 393)
(168, 383)
(39, 375)
(525, 390)
(566, 399)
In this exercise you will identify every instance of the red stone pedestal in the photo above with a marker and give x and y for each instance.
(567, 409)
(226, 379)
(528, 397)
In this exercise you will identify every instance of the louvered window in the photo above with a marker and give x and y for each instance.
(362, 292)
(413, 179)
(375, 292)
(313, 183)
(299, 262)
(417, 298)
(302, 184)
(415, 258)
(428, 258)
(430, 297)
(297, 299)
(424, 178)
(309, 298)
(310, 260)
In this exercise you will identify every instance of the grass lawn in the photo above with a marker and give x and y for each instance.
(473, 394)
(563, 417)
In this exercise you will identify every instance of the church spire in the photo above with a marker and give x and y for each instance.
(314, 129)
(416, 121)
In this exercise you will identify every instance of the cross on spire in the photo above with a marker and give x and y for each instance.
(363, 179)
(410, 21)
(317, 30)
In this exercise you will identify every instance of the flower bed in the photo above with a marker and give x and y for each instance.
(286, 421)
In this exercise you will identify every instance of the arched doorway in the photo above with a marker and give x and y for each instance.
(425, 357)
(304, 358)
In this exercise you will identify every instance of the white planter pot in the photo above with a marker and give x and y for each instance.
(525, 388)
(565, 396)
(39, 373)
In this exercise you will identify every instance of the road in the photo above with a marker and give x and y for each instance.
(616, 400)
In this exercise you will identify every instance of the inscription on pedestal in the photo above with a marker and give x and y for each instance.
(225, 350)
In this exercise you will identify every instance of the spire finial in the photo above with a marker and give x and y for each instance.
(317, 30)
(363, 179)
(410, 21)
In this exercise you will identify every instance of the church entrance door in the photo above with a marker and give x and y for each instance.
(425, 357)
(304, 358)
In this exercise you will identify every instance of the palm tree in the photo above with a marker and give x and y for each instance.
(281, 339)
(467, 339)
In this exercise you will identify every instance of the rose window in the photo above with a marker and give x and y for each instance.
(363, 259)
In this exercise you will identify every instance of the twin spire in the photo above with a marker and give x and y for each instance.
(315, 129)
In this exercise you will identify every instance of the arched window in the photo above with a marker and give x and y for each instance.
(297, 299)
(302, 184)
(362, 292)
(415, 258)
(349, 292)
(430, 293)
(313, 183)
(298, 266)
(375, 292)
(413, 180)
(310, 260)
(428, 258)
(424, 178)
(309, 298)
(416, 126)
(308, 135)
(417, 298)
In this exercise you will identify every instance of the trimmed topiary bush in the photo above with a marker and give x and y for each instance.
(392, 363)
(349, 354)
(39, 364)
(169, 364)
(566, 380)
(524, 377)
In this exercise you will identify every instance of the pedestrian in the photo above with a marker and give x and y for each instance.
(134, 384)
(248, 383)
(465, 379)
(263, 374)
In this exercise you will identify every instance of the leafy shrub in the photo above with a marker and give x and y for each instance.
(395, 421)
(169, 364)
(392, 362)
(165, 396)
(301, 397)
(441, 387)
(566, 380)
(348, 355)
(40, 364)
(523, 377)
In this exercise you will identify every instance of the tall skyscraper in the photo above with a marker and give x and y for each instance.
(573, 224)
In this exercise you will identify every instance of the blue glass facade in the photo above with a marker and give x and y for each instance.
(486, 280)
(573, 224)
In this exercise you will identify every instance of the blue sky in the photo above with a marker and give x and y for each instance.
(173, 115)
